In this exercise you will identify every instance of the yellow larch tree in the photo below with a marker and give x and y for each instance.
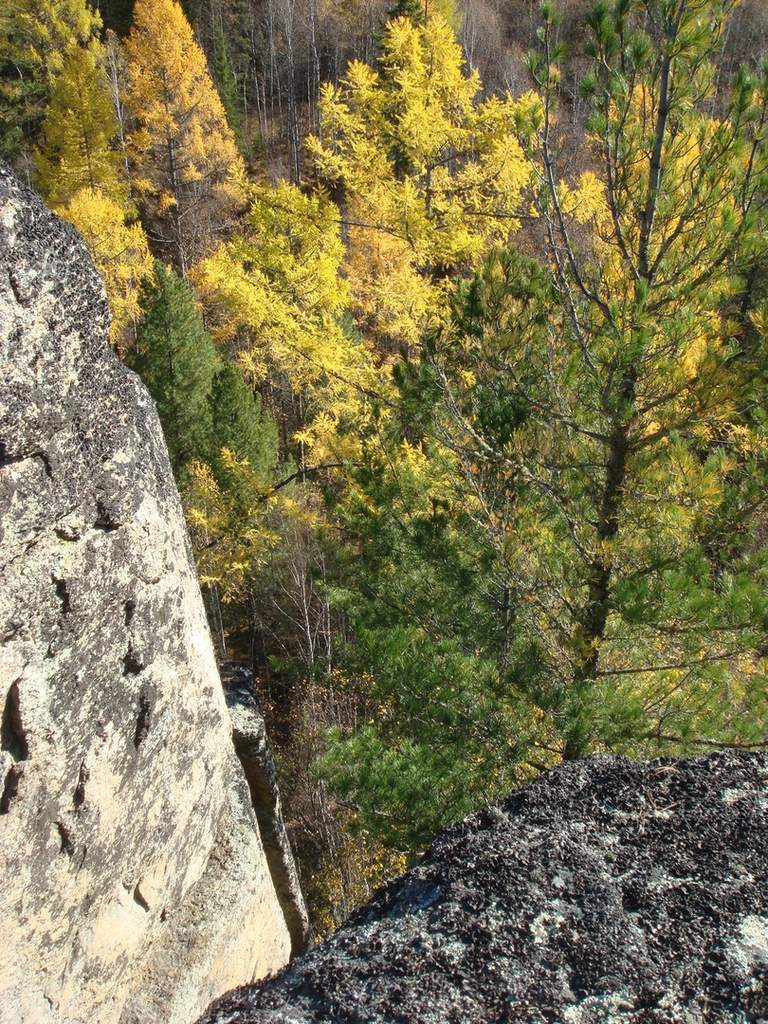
(81, 175)
(430, 177)
(276, 294)
(35, 38)
(76, 149)
(188, 172)
(119, 251)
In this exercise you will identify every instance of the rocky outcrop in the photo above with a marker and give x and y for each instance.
(135, 887)
(249, 734)
(607, 892)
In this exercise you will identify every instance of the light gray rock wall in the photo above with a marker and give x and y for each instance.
(134, 883)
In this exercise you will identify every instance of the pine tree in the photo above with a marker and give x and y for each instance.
(240, 424)
(606, 395)
(413, 9)
(177, 361)
(422, 592)
(187, 168)
(419, 11)
(35, 38)
(599, 414)
(77, 146)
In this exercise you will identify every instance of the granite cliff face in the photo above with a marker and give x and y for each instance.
(135, 887)
(607, 892)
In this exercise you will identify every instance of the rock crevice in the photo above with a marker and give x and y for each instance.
(249, 735)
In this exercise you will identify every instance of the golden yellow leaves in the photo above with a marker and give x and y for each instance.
(77, 146)
(229, 525)
(120, 252)
(41, 33)
(587, 202)
(360, 865)
(280, 284)
(391, 299)
(182, 148)
(279, 291)
(432, 178)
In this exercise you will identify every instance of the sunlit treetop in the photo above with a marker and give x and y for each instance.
(186, 165)
(430, 175)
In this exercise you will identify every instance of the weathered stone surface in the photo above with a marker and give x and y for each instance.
(249, 734)
(607, 892)
(134, 884)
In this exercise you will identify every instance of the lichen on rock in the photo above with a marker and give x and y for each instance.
(606, 892)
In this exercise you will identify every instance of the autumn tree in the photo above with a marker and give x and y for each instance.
(187, 170)
(77, 145)
(119, 250)
(231, 530)
(82, 176)
(35, 38)
(428, 177)
(276, 293)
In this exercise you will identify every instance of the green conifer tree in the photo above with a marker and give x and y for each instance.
(177, 360)
(413, 9)
(240, 423)
(420, 10)
(601, 413)
(226, 84)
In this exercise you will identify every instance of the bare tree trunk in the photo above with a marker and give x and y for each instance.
(115, 88)
(314, 95)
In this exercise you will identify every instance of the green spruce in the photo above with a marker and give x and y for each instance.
(240, 423)
(177, 360)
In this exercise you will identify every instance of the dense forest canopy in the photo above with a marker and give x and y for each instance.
(455, 315)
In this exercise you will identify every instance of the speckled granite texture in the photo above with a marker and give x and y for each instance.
(607, 892)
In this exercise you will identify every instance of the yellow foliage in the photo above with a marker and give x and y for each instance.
(119, 251)
(588, 202)
(391, 298)
(685, 337)
(279, 291)
(38, 34)
(348, 879)
(432, 177)
(80, 127)
(229, 525)
(184, 154)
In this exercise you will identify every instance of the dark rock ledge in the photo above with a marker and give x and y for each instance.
(607, 891)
